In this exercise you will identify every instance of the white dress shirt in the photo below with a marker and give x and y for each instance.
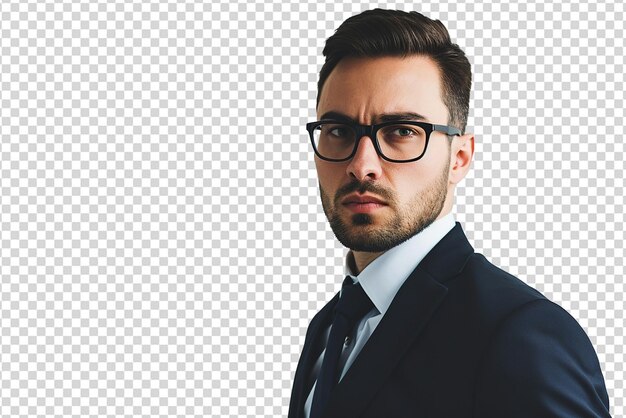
(381, 280)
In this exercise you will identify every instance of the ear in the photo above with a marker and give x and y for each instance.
(462, 152)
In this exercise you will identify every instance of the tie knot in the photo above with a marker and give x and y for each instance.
(354, 302)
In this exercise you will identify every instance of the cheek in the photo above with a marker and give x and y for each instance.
(407, 183)
(328, 175)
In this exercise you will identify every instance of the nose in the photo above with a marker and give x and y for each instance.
(366, 164)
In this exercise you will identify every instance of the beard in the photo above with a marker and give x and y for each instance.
(361, 232)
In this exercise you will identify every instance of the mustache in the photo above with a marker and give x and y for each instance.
(364, 187)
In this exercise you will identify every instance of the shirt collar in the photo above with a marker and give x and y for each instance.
(384, 276)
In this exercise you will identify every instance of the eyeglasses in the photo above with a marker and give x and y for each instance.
(398, 142)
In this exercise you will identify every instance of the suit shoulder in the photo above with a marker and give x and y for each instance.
(493, 288)
(539, 359)
(504, 302)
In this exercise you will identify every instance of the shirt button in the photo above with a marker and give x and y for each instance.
(347, 341)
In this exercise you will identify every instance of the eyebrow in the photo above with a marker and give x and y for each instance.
(385, 117)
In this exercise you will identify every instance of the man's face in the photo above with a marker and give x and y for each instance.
(412, 194)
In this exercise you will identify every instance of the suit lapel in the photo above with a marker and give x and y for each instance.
(408, 314)
(310, 352)
(411, 309)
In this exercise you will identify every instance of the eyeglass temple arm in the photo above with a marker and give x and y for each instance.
(449, 130)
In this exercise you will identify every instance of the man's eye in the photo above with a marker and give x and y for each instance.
(404, 132)
(340, 131)
(397, 132)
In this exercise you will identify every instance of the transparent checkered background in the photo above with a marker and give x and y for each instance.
(162, 245)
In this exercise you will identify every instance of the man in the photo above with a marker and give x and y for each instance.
(423, 326)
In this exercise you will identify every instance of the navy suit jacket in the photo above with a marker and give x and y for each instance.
(463, 338)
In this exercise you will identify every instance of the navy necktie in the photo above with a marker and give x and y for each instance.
(351, 307)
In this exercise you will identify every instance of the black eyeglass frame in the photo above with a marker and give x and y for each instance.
(372, 130)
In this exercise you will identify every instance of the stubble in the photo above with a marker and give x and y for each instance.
(364, 232)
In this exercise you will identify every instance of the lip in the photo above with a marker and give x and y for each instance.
(362, 203)
(361, 199)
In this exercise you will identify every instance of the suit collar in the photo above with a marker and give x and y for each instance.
(383, 277)
(414, 304)
(408, 314)
(448, 257)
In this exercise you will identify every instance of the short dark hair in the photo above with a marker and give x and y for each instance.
(378, 33)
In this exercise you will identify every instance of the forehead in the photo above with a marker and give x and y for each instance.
(366, 87)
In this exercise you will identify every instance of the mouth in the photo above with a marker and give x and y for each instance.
(362, 203)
